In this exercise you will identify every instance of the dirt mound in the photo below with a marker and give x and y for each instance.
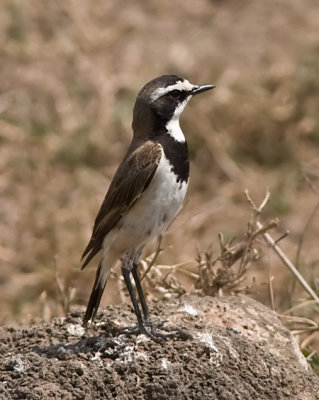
(238, 350)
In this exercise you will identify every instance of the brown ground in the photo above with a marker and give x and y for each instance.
(238, 350)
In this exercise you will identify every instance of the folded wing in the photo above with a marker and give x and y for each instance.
(130, 181)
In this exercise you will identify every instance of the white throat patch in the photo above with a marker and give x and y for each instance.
(180, 85)
(173, 127)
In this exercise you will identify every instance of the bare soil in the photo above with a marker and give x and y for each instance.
(239, 350)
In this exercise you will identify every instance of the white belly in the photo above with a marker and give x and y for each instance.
(152, 212)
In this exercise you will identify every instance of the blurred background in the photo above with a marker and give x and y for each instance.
(69, 75)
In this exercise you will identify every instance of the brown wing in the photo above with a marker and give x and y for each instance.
(131, 179)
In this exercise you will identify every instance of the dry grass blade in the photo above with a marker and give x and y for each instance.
(65, 294)
(300, 305)
(271, 242)
(263, 229)
(299, 325)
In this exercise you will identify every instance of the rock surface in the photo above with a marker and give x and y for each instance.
(238, 350)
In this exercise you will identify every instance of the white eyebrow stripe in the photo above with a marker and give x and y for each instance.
(180, 85)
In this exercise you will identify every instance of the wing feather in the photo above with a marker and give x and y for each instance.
(130, 181)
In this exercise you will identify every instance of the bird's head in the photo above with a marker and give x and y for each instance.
(164, 98)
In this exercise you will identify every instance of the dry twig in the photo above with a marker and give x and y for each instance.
(223, 273)
(151, 262)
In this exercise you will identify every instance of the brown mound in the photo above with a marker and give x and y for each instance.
(238, 350)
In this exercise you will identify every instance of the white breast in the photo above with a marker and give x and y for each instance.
(164, 197)
(153, 211)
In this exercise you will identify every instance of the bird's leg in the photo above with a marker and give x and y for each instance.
(172, 331)
(141, 296)
(144, 326)
(141, 328)
(146, 313)
(126, 275)
(127, 266)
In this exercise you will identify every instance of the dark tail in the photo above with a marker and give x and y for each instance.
(95, 298)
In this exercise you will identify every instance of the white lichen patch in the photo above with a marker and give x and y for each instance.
(142, 339)
(127, 354)
(130, 354)
(215, 357)
(207, 339)
(120, 340)
(165, 364)
(75, 330)
(187, 308)
(96, 357)
(102, 323)
(18, 365)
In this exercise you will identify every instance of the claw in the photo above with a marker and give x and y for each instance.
(151, 330)
(138, 330)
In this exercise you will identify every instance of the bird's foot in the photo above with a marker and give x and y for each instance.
(152, 331)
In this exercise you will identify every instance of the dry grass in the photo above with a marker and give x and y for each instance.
(69, 74)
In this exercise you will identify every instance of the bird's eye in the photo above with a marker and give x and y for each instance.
(175, 93)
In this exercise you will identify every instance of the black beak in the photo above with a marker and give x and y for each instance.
(201, 89)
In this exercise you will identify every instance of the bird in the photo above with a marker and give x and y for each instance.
(146, 193)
